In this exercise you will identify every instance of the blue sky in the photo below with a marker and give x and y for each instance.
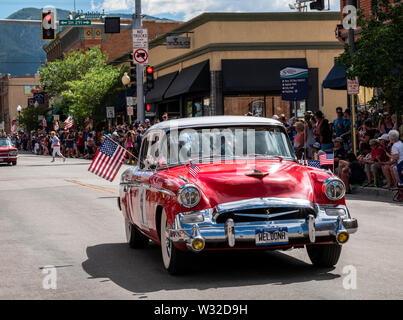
(173, 9)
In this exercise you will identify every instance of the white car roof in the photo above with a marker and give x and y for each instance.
(213, 121)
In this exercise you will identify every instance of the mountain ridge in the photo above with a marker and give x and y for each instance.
(21, 46)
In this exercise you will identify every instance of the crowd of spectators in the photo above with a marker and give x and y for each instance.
(378, 159)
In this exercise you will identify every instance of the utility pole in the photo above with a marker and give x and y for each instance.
(352, 98)
(137, 24)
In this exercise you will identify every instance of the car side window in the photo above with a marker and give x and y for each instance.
(143, 151)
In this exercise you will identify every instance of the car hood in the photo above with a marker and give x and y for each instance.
(223, 182)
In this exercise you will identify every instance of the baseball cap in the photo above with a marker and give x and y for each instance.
(338, 139)
(146, 120)
(316, 145)
(384, 137)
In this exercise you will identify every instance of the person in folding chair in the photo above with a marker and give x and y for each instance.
(397, 156)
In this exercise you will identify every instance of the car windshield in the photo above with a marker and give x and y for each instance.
(5, 143)
(229, 143)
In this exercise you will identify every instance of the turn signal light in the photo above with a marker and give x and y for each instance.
(342, 237)
(198, 244)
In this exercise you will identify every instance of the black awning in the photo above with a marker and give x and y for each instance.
(255, 75)
(336, 78)
(160, 87)
(191, 80)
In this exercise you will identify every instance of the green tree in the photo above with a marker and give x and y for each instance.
(82, 79)
(29, 117)
(377, 60)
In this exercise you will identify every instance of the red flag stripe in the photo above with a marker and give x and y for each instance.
(117, 170)
(115, 160)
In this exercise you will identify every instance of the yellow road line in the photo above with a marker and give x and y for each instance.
(92, 187)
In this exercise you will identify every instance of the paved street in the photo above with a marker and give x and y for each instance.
(56, 214)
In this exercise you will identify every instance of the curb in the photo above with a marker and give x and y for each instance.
(374, 192)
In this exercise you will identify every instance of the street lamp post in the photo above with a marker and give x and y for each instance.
(126, 81)
(19, 114)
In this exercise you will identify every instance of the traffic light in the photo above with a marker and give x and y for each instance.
(150, 108)
(48, 25)
(317, 5)
(112, 25)
(133, 73)
(150, 77)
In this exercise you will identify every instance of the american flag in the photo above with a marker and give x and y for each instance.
(194, 169)
(56, 127)
(68, 123)
(108, 160)
(326, 159)
(313, 163)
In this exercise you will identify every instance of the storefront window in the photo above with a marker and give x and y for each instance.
(258, 108)
(197, 107)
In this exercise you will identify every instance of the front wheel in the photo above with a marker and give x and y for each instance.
(134, 237)
(173, 259)
(324, 255)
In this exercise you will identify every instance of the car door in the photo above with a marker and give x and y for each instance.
(141, 188)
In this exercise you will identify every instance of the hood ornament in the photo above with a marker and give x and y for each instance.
(257, 174)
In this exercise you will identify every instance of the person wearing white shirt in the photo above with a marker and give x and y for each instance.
(397, 152)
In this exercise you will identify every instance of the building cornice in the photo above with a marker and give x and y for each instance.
(250, 46)
(248, 17)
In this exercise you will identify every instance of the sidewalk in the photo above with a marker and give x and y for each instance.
(372, 193)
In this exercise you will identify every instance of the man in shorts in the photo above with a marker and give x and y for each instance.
(56, 147)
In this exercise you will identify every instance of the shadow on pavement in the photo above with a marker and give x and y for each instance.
(141, 271)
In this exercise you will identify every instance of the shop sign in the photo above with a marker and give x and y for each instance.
(178, 42)
(294, 83)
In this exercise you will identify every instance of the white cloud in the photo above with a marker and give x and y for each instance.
(191, 8)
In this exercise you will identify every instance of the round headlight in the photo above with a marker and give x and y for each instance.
(334, 189)
(189, 196)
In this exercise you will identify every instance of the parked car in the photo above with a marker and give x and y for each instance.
(230, 183)
(8, 153)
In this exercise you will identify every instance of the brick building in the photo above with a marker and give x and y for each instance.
(15, 91)
(116, 45)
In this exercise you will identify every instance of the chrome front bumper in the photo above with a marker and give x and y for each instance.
(231, 234)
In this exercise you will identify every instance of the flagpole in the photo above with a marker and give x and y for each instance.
(122, 147)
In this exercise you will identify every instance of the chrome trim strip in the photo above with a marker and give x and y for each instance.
(147, 186)
(257, 203)
(230, 232)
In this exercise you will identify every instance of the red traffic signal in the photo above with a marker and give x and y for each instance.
(148, 108)
(48, 18)
(150, 70)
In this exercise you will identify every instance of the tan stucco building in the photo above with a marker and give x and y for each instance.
(14, 92)
(233, 64)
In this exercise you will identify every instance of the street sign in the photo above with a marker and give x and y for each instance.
(294, 83)
(130, 111)
(178, 42)
(110, 112)
(74, 23)
(140, 56)
(140, 39)
(353, 86)
(131, 101)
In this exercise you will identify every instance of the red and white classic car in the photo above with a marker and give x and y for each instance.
(8, 153)
(230, 183)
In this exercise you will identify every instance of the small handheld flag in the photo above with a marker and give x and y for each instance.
(326, 159)
(194, 169)
(108, 160)
(68, 123)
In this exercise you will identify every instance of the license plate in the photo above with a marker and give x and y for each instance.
(271, 236)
